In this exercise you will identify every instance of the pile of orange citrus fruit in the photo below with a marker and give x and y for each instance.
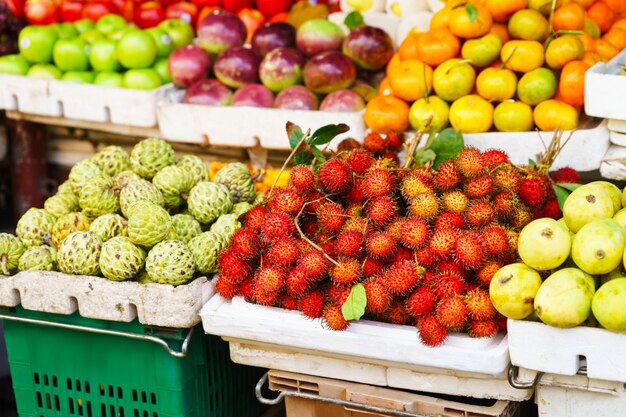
(506, 65)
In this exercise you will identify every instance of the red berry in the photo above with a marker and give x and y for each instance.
(371, 267)
(226, 288)
(483, 328)
(496, 240)
(413, 184)
(487, 272)
(442, 242)
(302, 179)
(469, 250)
(287, 302)
(331, 216)
(450, 220)
(395, 140)
(400, 278)
(424, 205)
(479, 304)
(447, 177)
(286, 200)
(313, 199)
(246, 289)
(264, 299)
(297, 282)
(507, 178)
(532, 191)
(455, 201)
(479, 187)
(355, 193)
(284, 252)
(414, 233)
(447, 285)
(347, 272)
(480, 213)
(255, 218)
(270, 280)
(396, 313)
(245, 243)
(334, 176)
(470, 162)
(566, 175)
(452, 312)
(552, 210)
(494, 157)
(403, 254)
(277, 225)
(425, 256)
(314, 264)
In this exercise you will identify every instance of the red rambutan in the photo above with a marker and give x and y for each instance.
(302, 179)
(396, 313)
(421, 301)
(482, 328)
(414, 232)
(413, 184)
(355, 193)
(378, 298)
(371, 267)
(431, 331)
(312, 304)
(447, 177)
(447, 285)
(450, 220)
(507, 178)
(487, 272)
(246, 289)
(378, 183)
(334, 176)
(452, 312)
(479, 187)
(504, 204)
(425, 257)
(494, 157)
(284, 252)
(495, 239)
(400, 278)
(349, 243)
(403, 254)
(532, 191)
(297, 282)
(480, 213)
(314, 264)
(270, 280)
(374, 143)
(455, 201)
(287, 302)
(360, 160)
(309, 227)
(380, 245)
(233, 268)
(264, 299)
(286, 200)
(255, 218)
(395, 229)
(312, 200)
(551, 209)
(382, 210)
(424, 206)
(347, 272)
(470, 250)
(442, 242)
(333, 318)
(277, 225)
(337, 294)
(357, 224)
(451, 267)
(226, 288)
(479, 306)
(566, 175)
(331, 216)
(245, 243)
(521, 217)
(395, 140)
(470, 162)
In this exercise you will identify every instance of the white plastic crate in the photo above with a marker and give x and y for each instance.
(28, 95)
(245, 127)
(605, 89)
(571, 402)
(614, 163)
(616, 125)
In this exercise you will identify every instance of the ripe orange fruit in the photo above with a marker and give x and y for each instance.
(432, 108)
(589, 42)
(394, 61)
(522, 56)
(462, 26)
(408, 47)
(562, 50)
(591, 57)
(621, 23)
(384, 114)
(616, 37)
(410, 79)
(572, 83)
(501, 31)
(502, 10)
(601, 13)
(471, 114)
(618, 7)
(543, 6)
(441, 19)
(496, 84)
(513, 116)
(384, 88)
(552, 114)
(436, 46)
(530, 25)
(569, 17)
(606, 50)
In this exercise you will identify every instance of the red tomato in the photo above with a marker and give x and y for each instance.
(125, 8)
(94, 10)
(183, 11)
(252, 19)
(203, 3)
(16, 7)
(236, 5)
(41, 12)
(149, 14)
(203, 13)
(71, 10)
(270, 8)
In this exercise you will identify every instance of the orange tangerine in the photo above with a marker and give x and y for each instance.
(436, 46)
(471, 114)
(502, 10)
(384, 114)
(384, 88)
(463, 26)
(572, 83)
(501, 30)
(591, 57)
(616, 37)
(601, 13)
(562, 50)
(513, 116)
(522, 56)
(429, 113)
(605, 50)
(441, 19)
(552, 114)
(530, 25)
(569, 17)
(496, 84)
(587, 41)
(410, 79)
(408, 47)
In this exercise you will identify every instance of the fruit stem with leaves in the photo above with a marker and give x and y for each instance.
(306, 239)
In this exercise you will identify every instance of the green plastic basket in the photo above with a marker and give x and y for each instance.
(66, 372)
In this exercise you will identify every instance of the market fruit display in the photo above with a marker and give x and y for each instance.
(115, 217)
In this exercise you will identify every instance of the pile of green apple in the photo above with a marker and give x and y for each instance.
(110, 52)
(582, 258)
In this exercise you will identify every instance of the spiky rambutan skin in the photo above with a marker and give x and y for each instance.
(413, 184)
(380, 245)
(269, 280)
(470, 250)
(452, 312)
(429, 278)
(496, 240)
(396, 313)
(400, 278)
(450, 220)
(354, 194)
(426, 171)
(312, 304)
(479, 306)
(425, 257)
(442, 242)
(347, 272)
(381, 211)
(287, 302)
(226, 288)
(504, 204)
(451, 267)
(447, 177)
(482, 328)
(403, 254)
(245, 243)
(357, 224)
(233, 268)
(349, 243)
(480, 213)
(395, 140)
(470, 162)
(331, 216)
(360, 160)
(494, 157)
(302, 179)
(378, 298)
(354, 209)
(447, 285)
(479, 187)
(431, 332)
(521, 217)
(312, 200)
(392, 156)
(551, 209)
(334, 176)
(532, 191)
(314, 264)
(414, 233)
(246, 289)
(255, 218)
(422, 301)
(371, 267)
(286, 200)
(337, 294)
(487, 272)
(507, 178)
(284, 253)
(309, 227)
(455, 201)
(375, 143)
(264, 299)
(502, 322)
(333, 318)
(566, 175)
(395, 229)
(378, 183)
(425, 206)
(277, 225)
(297, 282)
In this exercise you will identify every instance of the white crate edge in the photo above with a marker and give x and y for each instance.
(376, 341)
(617, 125)
(614, 163)
(28, 95)
(570, 402)
(245, 127)
(98, 298)
(548, 349)
(605, 89)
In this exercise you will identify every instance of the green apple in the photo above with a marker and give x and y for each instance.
(81, 77)
(14, 64)
(36, 43)
(103, 55)
(109, 79)
(179, 31)
(109, 23)
(65, 30)
(71, 55)
(83, 25)
(91, 35)
(162, 40)
(136, 49)
(44, 71)
(161, 68)
(117, 35)
(142, 79)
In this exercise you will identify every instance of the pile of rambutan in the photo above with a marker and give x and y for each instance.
(424, 243)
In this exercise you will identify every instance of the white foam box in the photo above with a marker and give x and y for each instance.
(614, 163)
(558, 351)
(605, 89)
(584, 152)
(244, 127)
(99, 298)
(617, 138)
(555, 401)
(616, 125)
(403, 8)
(419, 21)
(28, 95)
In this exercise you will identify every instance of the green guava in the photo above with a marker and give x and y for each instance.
(512, 290)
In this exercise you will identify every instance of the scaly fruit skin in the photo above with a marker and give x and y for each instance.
(205, 248)
(470, 162)
(447, 177)
(79, 254)
(208, 200)
(424, 206)
(108, 226)
(479, 305)
(287, 201)
(170, 262)
(81, 172)
(139, 190)
(233, 268)
(347, 272)
(65, 188)
(112, 160)
(452, 312)
(333, 318)
(186, 227)
(532, 191)
(35, 227)
(302, 179)
(121, 260)
(123, 178)
(148, 224)
(97, 197)
(421, 301)
(151, 155)
(380, 245)
(173, 181)
(60, 204)
(284, 253)
(566, 175)
(66, 224)
(11, 249)
(382, 210)
(195, 167)
(312, 304)
(414, 233)
(334, 176)
(431, 331)
(360, 160)
(38, 258)
(331, 216)
(235, 176)
(241, 208)
(469, 250)
(226, 225)
(276, 225)
(378, 298)
(378, 183)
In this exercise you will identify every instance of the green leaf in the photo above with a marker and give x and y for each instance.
(531, 163)
(354, 306)
(294, 132)
(568, 185)
(424, 157)
(353, 20)
(319, 155)
(446, 145)
(303, 158)
(472, 13)
(561, 195)
(325, 134)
